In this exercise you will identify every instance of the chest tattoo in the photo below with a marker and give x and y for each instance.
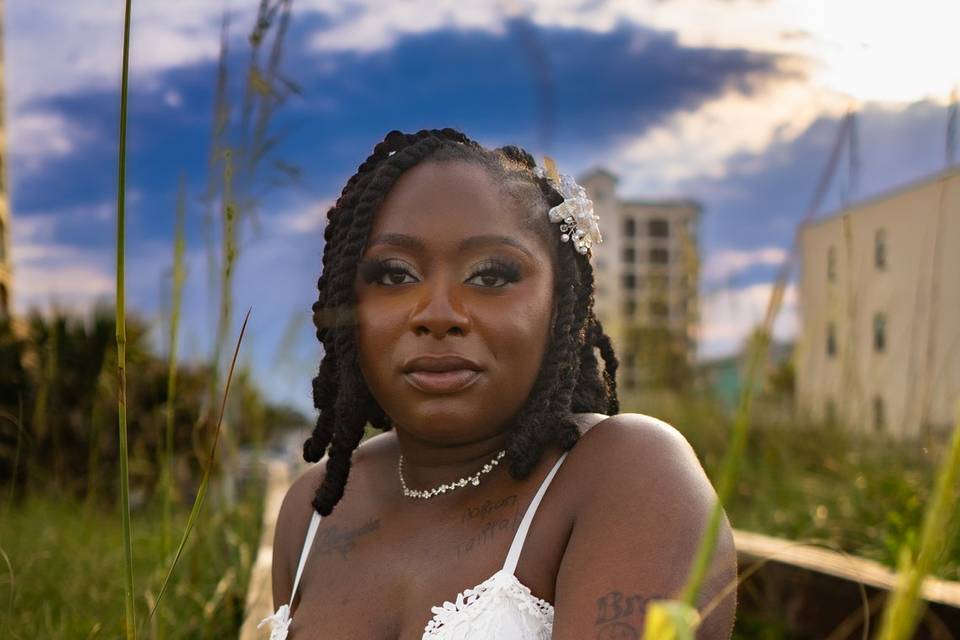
(334, 539)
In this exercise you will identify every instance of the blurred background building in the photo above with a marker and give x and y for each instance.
(879, 343)
(647, 272)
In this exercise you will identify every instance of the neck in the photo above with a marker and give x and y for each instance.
(428, 464)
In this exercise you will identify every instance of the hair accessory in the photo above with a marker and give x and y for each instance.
(578, 222)
(426, 494)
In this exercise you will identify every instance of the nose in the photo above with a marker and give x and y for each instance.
(439, 311)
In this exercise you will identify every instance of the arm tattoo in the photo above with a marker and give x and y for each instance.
(617, 614)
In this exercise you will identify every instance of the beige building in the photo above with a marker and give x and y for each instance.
(647, 275)
(879, 294)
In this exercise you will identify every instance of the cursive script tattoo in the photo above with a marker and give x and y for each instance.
(615, 606)
(487, 532)
(333, 539)
(488, 508)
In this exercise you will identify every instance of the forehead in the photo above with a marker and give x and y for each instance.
(444, 202)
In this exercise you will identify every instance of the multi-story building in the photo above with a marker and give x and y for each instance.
(879, 344)
(647, 276)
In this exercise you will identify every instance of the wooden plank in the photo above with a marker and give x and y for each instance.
(848, 567)
(259, 602)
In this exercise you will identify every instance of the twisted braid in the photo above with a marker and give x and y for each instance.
(569, 380)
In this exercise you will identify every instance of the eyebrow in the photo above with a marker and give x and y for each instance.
(473, 242)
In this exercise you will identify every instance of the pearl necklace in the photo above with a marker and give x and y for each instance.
(426, 494)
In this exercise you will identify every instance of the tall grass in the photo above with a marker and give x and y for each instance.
(131, 626)
(902, 613)
(205, 479)
(179, 248)
(166, 463)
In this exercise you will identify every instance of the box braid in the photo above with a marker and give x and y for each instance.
(569, 380)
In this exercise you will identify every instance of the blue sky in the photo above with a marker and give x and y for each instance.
(735, 104)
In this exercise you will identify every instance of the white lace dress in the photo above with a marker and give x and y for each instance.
(499, 608)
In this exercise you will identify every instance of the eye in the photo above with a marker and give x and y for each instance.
(386, 272)
(494, 274)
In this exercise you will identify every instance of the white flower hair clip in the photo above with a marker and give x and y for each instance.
(578, 223)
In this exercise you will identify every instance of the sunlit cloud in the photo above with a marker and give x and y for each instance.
(729, 316)
(724, 264)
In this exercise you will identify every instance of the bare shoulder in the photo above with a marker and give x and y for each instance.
(297, 509)
(634, 446)
(642, 505)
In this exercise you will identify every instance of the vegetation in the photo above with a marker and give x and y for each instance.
(65, 565)
(57, 373)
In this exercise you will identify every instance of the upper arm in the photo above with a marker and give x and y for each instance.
(636, 532)
(290, 532)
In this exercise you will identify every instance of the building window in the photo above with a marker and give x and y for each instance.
(658, 228)
(830, 414)
(629, 227)
(629, 281)
(880, 249)
(831, 340)
(658, 309)
(658, 282)
(879, 414)
(629, 307)
(659, 256)
(832, 264)
(880, 332)
(629, 254)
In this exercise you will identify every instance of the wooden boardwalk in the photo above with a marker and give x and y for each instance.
(796, 578)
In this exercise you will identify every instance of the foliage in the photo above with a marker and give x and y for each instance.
(853, 492)
(61, 373)
(663, 353)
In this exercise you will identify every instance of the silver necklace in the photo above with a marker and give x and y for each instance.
(426, 494)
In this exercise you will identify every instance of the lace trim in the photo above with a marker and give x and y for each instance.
(472, 603)
(279, 623)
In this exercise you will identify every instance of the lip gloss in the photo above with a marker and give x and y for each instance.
(442, 381)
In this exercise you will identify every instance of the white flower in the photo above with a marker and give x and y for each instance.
(575, 214)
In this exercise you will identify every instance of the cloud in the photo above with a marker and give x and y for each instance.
(50, 274)
(725, 264)
(303, 217)
(728, 317)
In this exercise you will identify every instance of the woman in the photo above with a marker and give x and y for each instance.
(507, 497)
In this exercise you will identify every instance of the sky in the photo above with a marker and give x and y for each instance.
(733, 103)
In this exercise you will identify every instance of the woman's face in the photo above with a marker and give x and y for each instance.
(454, 304)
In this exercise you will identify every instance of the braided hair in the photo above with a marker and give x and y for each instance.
(569, 380)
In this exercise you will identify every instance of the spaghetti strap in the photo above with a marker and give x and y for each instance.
(311, 533)
(280, 620)
(513, 556)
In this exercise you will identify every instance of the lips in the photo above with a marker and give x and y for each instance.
(441, 373)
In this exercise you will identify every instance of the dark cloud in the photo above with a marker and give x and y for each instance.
(593, 89)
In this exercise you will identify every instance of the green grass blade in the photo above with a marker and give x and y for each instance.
(166, 463)
(757, 355)
(179, 248)
(204, 481)
(131, 627)
(902, 612)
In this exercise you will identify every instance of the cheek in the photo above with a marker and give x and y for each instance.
(524, 331)
(374, 331)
